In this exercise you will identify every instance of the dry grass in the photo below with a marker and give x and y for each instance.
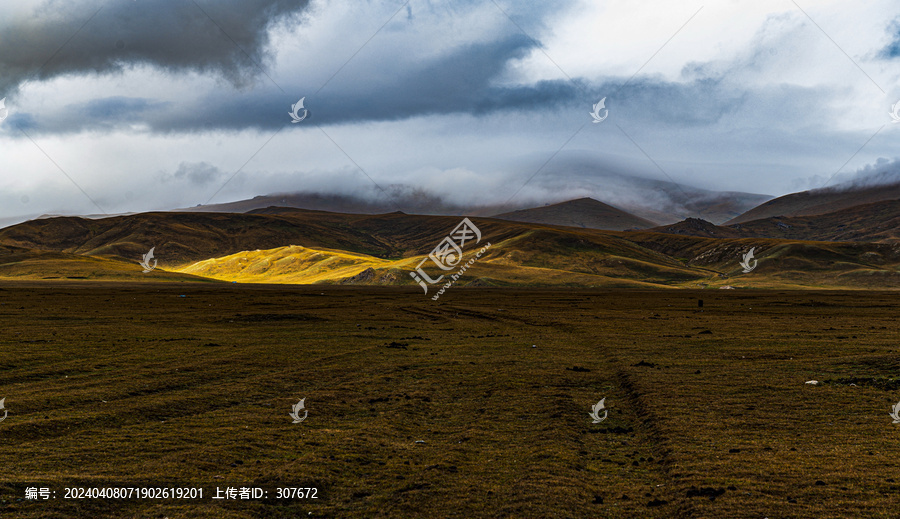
(306, 247)
(113, 383)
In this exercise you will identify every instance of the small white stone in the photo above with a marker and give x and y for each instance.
(813, 382)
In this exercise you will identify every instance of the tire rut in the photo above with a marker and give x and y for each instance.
(649, 425)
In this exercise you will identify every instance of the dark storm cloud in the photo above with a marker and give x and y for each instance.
(174, 35)
(460, 82)
(464, 81)
(457, 85)
(468, 79)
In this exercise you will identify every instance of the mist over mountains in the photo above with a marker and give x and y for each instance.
(659, 202)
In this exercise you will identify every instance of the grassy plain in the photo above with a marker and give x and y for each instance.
(709, 416)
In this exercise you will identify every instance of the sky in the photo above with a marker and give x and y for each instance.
(135, 105)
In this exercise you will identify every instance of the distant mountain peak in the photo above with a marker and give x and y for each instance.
(820, 201)
(697, 227)
(581, 212)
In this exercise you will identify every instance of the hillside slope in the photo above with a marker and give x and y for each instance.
(583, 212)
(539, 257)
(819, 201)
(49, 265)
(306, 247)
(181, 238)
(877, 222)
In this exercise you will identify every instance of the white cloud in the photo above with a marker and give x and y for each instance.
(748, 96)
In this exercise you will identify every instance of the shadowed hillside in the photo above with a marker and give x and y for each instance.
(303, 247)
(819, 201)
(584, 212)
(784, 263)
(189, 237)
(875, 222)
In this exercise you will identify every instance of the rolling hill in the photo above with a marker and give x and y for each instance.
(584, 212)
(681, 202)
(48, 265)
(295, 246)
(534, 257)
(877, 222)
(820, 201)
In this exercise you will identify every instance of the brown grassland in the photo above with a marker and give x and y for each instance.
(109, 384)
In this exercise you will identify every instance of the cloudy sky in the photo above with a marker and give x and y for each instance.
(135, 105)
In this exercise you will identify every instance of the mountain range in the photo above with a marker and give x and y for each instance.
(649, 202)
(582, 242)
